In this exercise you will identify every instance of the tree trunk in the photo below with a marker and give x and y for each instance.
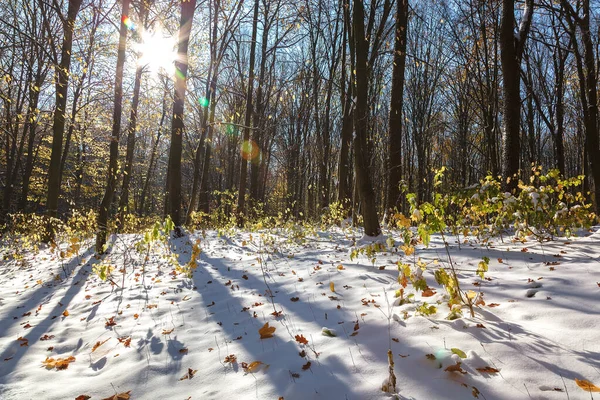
(58, 124)
(103, 212)
(174, 170)
(361, 115)
(395, 122)
(241, 201)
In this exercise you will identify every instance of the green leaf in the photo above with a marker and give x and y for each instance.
(458, 352)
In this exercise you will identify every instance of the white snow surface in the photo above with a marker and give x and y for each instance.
(540, 326)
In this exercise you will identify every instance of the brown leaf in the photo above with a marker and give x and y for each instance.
(189, 374)
(110, 322)
(126, 340)
(295, 299)
(587, 385)
(428, 292)
(396, 340)
(488, 370)
(493, 305)
(266, 331)
(455, 368)
(500, 261)
(231, 359)
(430, 356)
(83, 397)
(65, 313)
(24, 341)
(302, 354)
(253, 366)
(120, 396)
(98, 344)
(480, 326)
(301, 339)
(306, 366)
(183, 351)
(167, 331)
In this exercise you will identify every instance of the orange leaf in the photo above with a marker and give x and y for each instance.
(98, 344)
(58, 363)
(126, 340)
(587, 385)
(231, 358)
(301, 339)
(266, 331)
(331, 286)
(82, 397)
(427, 293)
(488, 370)
(110, 322)
(65, 313)
(167, 331)
(253, 366)
(340, 267)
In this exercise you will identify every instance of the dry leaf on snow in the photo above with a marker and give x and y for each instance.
(488, 370)
(58, 363)
(98, 344)
(266, 331)
(83, 397)
(189, 374)
(252, 367)
(587, 385)
(301, 339)
(331, 286)
(120, 396)
(456, 368)
(306, 366)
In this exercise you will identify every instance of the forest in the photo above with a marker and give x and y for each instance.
(367, 170)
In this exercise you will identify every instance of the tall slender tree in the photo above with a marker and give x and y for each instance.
(181, 66)
(111, 180)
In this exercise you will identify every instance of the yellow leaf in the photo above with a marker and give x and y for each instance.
(587, 385)
(340, 267)
(331, 286)
(167, 331)
(58, 363)
(253, 366)
(266, 331)
(471, 294)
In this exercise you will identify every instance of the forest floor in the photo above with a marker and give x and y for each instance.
(166, 336)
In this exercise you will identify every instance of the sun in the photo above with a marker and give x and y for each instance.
(157, 51)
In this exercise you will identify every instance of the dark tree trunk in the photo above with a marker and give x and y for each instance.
(174, 170)
(241, 201)
(395, 121)
(58, 124)
(361, 115)
(103, 212)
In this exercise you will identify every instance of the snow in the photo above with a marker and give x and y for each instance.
(540, 326)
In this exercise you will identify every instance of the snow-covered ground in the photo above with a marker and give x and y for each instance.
(170, 337)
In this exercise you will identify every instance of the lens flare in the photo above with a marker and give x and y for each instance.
(250, 150)
(232, 130)
(203, 101)
(128, 23)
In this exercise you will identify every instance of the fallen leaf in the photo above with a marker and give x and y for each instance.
(587, 385)
(480, 326)
(98, 344)
(493, 305)
(488, 370)
(252, 367)
(183, 351)
(428, 293)
(455, 368)
(110, 322)
(306, 366)
(356, 326)
(82, 397)
(331, 286)
(230, 359)
(167, 331)
(301, 339)
(294, 299)
(24, 341)
(340, 267)
(458, 352)
(302, 354)
(396, 340)
(266, 331)
(65, 313)
(430, 356)
(120, 396)
(126, 340)
(189, 374)
(500, 261)
(58, 363)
